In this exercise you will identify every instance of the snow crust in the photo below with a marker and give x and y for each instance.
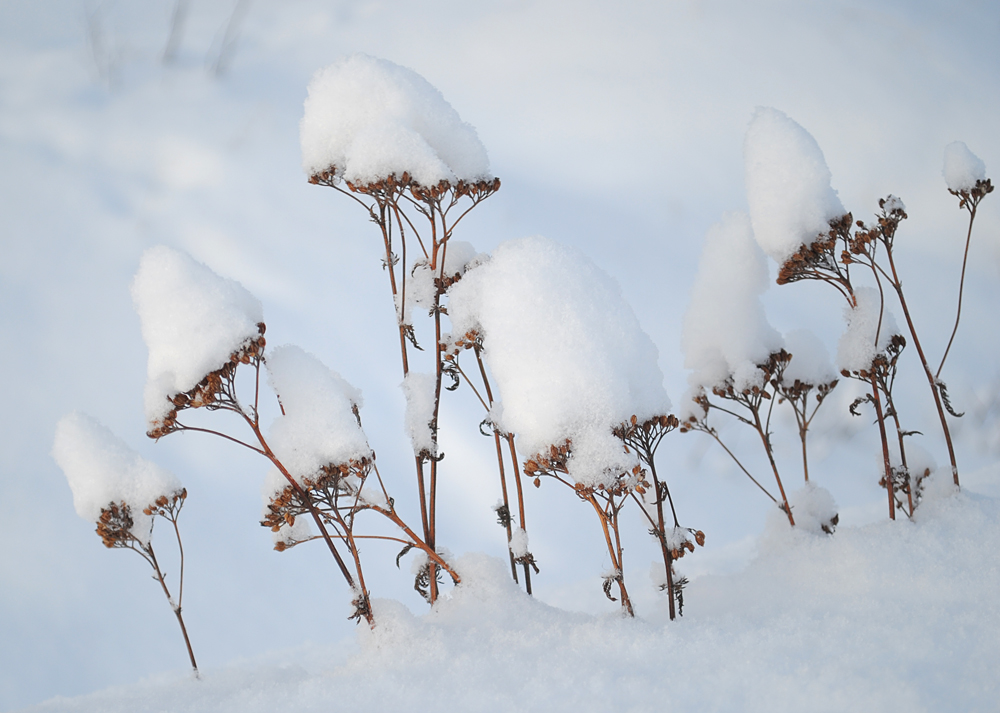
(318, 427)
(788, 184)
(891, 616)
(101, 470)
(369, 119)
(192, 321)
(962, 168)
(568, 356)
(726, 332)
(865, 337)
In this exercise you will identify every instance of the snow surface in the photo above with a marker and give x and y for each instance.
(192, 321)
(962, 168)
(568, 355)
(726, 332)
(898, 615)
(318, 426)
(870, 327)
(788, 184)
(101, 470)
(369, 119)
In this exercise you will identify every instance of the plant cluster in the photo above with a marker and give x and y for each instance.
(324, 473)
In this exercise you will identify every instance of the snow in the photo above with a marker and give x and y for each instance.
(420, 287)
(884, 617)
(870, 328)
(418, 388)
(368, 119)
(101, 470)
(810, 362)
(726, 332)
(318, 426)
(192, 321)
(518, 542)
(567, 353)
(788, 184)
(962, 168)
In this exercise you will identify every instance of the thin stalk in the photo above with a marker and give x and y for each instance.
(885, 448)
(176, 607)
(520, 506)
(961, 288)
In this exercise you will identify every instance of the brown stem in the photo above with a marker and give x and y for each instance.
(506, 503)
(774, 466)
(931, 379)
(175, 607)
(961, 288)
(885, 448)
(520, 506)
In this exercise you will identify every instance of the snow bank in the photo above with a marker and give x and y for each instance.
(726, 332)
(962, 168)
(788, 184)
(318, 427)
(101, 470)
(192, 321)
(567, 353)
(368, 118)
(893, 616)
(870, 328)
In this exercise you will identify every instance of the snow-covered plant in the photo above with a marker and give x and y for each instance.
(577, 381)
(738, 360)
(382, 135)
(201, 329)
(801, 223)
(123, 493)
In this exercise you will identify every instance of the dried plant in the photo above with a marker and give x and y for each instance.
(115, 527)
(797, 394)
(331, 498)
(405, 210)
(645, 438)
(750, 401)
(607, 499)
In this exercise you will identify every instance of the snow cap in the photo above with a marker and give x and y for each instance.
(192, 321)
(102, 470)
(864, 338)
(318, 427)
(368, 118)
(962, 168)
(726, 332)
(788, 184)
(568, 356)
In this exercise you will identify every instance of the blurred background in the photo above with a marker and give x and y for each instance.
(615, 129)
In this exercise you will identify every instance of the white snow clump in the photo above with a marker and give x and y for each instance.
(863, 339)
(192, 321)
(368, 118)
(810, 362)
(318, 427)
(962, 168)
(567, 353)
(726, 332)
(418, 388)
(102, 470)
(788, 184)
(419, 286)
(518, 542)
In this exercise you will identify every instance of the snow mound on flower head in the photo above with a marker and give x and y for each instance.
(318, 427)
(192, 321)
(726, 332)
(870, 327)
(368, 118)
(101, 469)
(810, 362)
(567, 353)
(962, 168)
(788, 184)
